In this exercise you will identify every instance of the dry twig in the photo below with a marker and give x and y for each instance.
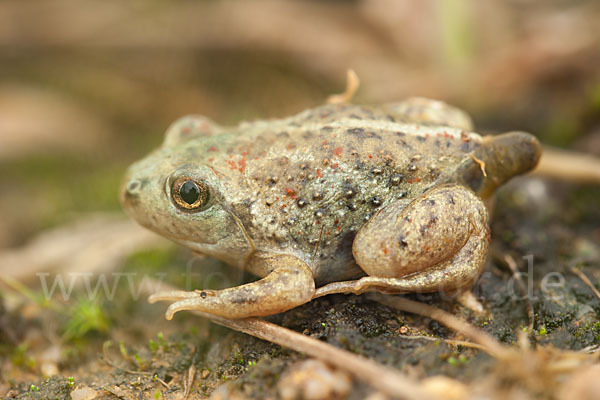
(385, 379)
(450, 342)
(511, 263)
(352, 84)
(93, 243)
(585, 280)
(569, 166)
(188, 381)
(488, 343)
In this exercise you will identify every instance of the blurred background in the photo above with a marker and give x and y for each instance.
(88, 87)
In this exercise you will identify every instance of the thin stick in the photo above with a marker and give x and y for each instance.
(165, 384)
(585, 280)
(450, 342)
(188, 381)
(383, 378)
(489, 344)
(569, 166)
(352, 84)
(386, 379)
(511, 263)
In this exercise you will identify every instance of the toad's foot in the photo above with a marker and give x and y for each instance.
(437, 243)
(289, 285)
(468, 300)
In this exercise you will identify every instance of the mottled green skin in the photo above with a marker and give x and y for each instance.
(303, 186)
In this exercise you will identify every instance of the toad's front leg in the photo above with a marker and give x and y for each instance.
(289, 284)
(438, 242)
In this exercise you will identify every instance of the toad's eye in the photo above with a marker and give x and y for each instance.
(189, 194)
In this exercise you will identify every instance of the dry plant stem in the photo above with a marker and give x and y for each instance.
(98, 241)
(352, 85)
(569, 166)
(510, 262)
(489, 344)
(165, 384)
(586, 280)
(382, 378)
(385, 379)
(450, 342)
(590, 349)
(188, 381)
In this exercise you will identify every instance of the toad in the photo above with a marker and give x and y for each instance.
(337, 199)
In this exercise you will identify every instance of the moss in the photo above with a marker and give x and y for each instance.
(54, 388)
(21, 359)
(86, 316)
(67, 184)
(457, 360)
(150, 260)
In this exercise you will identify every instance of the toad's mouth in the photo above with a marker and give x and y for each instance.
(236, 248)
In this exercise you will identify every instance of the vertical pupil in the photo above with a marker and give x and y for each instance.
(189, 192)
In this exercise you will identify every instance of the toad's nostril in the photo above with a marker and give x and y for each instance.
(133, 187)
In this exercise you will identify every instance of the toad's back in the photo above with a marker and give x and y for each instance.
(304, 185)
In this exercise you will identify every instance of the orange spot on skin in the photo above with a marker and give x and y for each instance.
(385, 251)
(291, 193)
(212, 148)
(242, 164)
(337, 151)
(244, 153)
(216, 172)
(291, 146)
(186, 130)
(232, 164)
(414, 180)
(324, 142)
(319, 174)
(334, 166)
(370, 155)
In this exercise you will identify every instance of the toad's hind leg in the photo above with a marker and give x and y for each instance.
(290, 284)
(438, 242)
